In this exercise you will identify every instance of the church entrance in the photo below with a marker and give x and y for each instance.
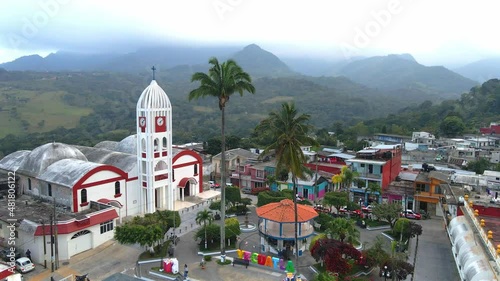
(187, 189)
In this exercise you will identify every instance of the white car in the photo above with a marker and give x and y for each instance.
(24, 265)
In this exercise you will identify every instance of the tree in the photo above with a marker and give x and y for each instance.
(204, 217)
(148, 230)
(335, 254)
(388, 212)
(336, 199)
(452, 126)
(479, 165)
(372, 188)
(343, 230)
(289, 131)
(222, 81)
(415, 230)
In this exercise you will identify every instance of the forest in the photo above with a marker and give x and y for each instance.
(87, 107)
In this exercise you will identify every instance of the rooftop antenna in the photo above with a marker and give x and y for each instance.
(154, 69)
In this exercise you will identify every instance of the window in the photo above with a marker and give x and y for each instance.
(362, 165)
(422, 187)
(106, 226)
(29, 184)
(195, 169)
(117, 188)
(49, 189)
(173, 175)
(259, 174)
(83, 196)
(259, 184)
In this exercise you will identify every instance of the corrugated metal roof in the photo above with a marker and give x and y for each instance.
(126, 162)
(13, 161)
(342, 155)
(43, 156)
(67, 172)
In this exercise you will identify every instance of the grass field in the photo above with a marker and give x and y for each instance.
(33, 111)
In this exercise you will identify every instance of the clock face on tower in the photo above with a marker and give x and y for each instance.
(142, 124)
(160, 124)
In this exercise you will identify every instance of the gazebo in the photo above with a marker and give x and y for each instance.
(277, 226)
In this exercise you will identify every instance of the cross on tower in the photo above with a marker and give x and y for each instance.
(154, 69)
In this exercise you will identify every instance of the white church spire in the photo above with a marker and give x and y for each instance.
(154, 148)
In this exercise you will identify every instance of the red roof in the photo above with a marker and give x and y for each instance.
(79, 224)
(284, 211)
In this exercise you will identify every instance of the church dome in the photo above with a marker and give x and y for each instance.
(128, 145)
(153, 97)
(37, 161)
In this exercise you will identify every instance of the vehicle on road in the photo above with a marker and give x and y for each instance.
(24, 265)
(213, 184)
(410, 214)
(367, 209)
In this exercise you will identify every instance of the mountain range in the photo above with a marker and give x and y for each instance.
(391, 72)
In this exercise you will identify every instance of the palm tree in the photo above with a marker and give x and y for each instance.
(373, 187)
(343, 230)
(202, 217)
(348, 177)
(222, 81)
(289, 131)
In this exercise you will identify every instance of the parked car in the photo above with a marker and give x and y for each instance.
(367, 209)
(6, 253)
(213, 184)
(24, 265)
(356, 212)
(321, 209)
(410, 214)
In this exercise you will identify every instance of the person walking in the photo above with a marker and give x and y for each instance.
(28, 254)
(186, 270)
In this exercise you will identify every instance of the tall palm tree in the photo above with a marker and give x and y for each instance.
(204, 217)
(289, 131)
(348, 177)
(222, 81)
(343, 230)
(373, 188)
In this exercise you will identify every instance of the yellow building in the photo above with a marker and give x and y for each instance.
(429, 190)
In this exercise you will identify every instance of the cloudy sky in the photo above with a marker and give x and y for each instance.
(434, 32)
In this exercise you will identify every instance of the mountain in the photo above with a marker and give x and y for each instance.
(261, 63)
(60, 61)
(395, 72)
(481, 70)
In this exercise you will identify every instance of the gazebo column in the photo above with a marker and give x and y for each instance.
(281, 230)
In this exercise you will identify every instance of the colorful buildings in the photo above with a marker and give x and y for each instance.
(378, 165)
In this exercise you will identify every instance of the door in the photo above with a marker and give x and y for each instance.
(305, 192)
(80, 242)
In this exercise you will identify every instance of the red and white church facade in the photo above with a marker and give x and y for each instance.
(94, 188)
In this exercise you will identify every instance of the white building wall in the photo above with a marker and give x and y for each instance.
(132, 199)
(105, 190)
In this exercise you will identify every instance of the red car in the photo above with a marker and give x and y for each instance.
(409, 214)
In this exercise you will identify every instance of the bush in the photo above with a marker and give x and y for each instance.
(207, 258)
(226, 262)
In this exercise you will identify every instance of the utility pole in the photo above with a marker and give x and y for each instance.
(44, 245)
(56, 254)
(52, 243)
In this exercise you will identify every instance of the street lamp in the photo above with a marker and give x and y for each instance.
(385, 273)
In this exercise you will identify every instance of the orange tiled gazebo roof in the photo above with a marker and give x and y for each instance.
(284, 211)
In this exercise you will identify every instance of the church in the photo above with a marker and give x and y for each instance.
(91, 189)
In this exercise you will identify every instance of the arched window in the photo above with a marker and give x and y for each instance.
(83, 196)
(195, 169)
(117, 188)
(29, 184)
(156, 148)
(49, 189)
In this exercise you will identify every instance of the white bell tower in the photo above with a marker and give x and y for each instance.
(154, 149)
